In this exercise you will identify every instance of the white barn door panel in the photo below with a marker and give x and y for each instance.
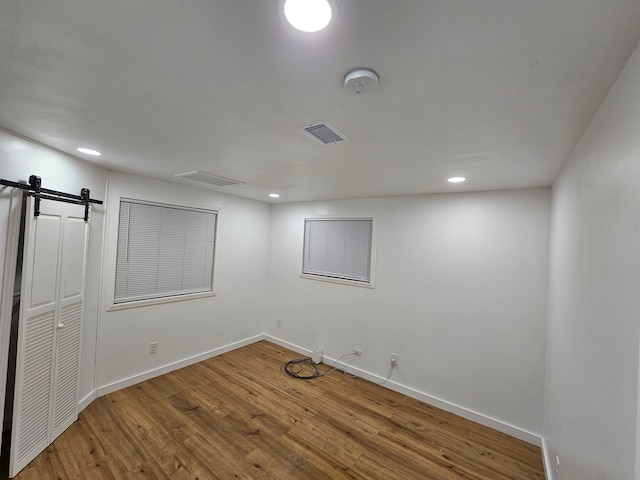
(49, 331)
(34, 363)
(69, 325)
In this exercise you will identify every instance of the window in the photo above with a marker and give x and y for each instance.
(163, 251)
(338, 250)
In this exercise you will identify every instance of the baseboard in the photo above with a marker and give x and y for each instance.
(547, 461)
(84, 402)
(411, 392)
(463, 412)
(290, 346)
(141, 377)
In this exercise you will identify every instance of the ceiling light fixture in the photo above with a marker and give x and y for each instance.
(456, 179)
(274, 195)
(89, 151)
(308, 15)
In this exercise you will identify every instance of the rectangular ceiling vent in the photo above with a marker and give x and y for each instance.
(324, 133)
(210, 178)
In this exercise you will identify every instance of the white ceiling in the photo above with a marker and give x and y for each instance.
(498, 91)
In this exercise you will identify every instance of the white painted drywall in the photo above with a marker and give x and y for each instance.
(594, 303)
(190, 328)
(460, 295)
(21, 158)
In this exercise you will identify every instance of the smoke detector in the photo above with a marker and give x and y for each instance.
(360, 80)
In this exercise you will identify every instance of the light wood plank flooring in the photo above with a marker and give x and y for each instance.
(237, 416)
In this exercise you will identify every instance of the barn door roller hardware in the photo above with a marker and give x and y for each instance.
(34, 189)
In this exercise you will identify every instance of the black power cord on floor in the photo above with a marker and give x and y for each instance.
(306, 369)
(302, 368)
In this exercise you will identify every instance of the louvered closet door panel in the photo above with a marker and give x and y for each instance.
(65, 406)
(36, 373)
(36, 334)
(69, 325)
(50, 330)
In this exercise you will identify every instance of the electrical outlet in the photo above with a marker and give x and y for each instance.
(557, 466)
(357, 351)
(394, 360)
(153, 348)
(278, 322)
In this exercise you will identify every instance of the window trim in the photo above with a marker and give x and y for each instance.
(343, 281)
(158, 301)
(113, 306)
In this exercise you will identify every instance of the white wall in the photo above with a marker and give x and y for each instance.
(186, 329)
(592, 361)
(460, 295)
(19, 159)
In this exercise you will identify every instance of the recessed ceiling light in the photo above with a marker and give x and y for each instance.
(274, 195)
(89, 151)
(308, 15)
(456, 179)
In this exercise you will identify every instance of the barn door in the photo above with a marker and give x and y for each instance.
(49, 332)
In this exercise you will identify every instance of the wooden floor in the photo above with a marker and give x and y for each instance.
(237, 416)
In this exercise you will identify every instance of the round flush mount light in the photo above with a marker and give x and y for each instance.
(456, 179)
(89, 151)
(308, 15)
(274, 195)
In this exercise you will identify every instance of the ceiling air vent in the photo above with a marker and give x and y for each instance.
(324, 133)
(205, 177)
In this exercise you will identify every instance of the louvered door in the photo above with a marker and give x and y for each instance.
(36, 336)
(69, 321)
(49, 332)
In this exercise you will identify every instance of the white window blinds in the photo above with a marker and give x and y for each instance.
(163, 251)
(338, 248)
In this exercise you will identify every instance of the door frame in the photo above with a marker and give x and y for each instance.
(638, 420)
(6, 295)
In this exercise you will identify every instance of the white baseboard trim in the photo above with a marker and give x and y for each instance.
(84, 402)
(141, 377)
(290, 346)
(547, 461)
(463, 412)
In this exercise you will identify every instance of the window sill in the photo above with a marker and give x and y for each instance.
(158, 301)
(340, 281)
